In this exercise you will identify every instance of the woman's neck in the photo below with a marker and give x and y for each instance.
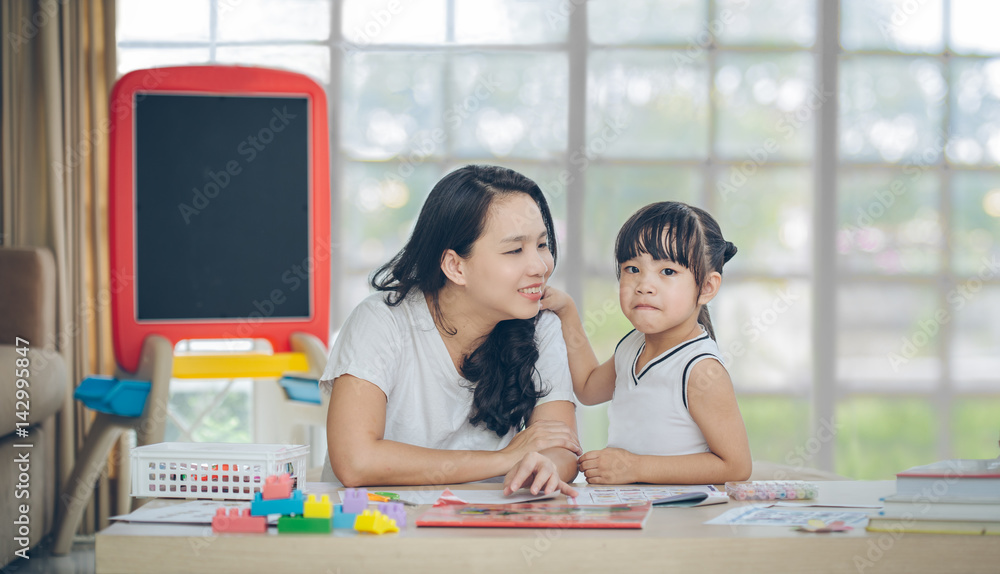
(461, 324)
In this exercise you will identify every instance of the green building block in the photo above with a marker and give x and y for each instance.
(303, 525)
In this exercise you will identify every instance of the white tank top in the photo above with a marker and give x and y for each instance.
(648, 414)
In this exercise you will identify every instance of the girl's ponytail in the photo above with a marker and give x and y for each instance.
(705, 319)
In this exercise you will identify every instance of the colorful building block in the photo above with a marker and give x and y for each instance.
(237, 521)
(313, 508)
(343, 519)
(277, 487)
(375, 522)
(395, 511)
(303, 525)
(291, 505)
(355, 500)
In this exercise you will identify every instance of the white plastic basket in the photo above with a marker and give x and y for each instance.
(212, 470)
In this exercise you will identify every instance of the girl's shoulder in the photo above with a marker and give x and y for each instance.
(632, 340)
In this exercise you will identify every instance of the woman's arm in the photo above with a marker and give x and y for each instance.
(712, 404)
(593, 383)
(360, 456)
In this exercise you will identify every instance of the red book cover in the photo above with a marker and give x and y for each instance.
(535, 515)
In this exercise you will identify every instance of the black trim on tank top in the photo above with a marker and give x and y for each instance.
(684, 377)
(661, 359)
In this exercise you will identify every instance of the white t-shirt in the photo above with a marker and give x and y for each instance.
(648, 413)
(428, 402)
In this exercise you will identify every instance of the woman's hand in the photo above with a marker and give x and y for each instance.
(541, 435)
(610, 466)
(538, 471)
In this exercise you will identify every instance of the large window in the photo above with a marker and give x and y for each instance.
(611, 105)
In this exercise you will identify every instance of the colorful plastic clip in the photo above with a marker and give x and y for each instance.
(237, 521)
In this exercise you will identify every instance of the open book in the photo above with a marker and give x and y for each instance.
(697, 495)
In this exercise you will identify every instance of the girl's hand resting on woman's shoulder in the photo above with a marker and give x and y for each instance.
(537, 473)
(556, 300)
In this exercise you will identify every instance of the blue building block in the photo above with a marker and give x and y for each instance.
(285, 506)
(343, 519)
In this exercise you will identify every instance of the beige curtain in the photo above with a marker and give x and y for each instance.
(57, 69)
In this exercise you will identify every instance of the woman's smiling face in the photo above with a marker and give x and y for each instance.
(509, 264)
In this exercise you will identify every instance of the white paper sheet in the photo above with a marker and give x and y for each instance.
(192, 512)
(754, 515)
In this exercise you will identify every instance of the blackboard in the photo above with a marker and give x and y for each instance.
(222, 221)
(218, 207)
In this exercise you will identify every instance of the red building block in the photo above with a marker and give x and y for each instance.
(237, 521)
(277, 487)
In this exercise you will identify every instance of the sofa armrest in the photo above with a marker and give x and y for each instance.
(48, 383)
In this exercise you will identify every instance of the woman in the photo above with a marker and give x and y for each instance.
(449, 373)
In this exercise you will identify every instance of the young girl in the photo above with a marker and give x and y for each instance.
(673, 417)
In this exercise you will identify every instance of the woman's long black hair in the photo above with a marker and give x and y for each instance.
(454, 217)
(678, 232)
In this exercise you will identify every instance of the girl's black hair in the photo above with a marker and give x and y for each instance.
(453, 217)
(678, 232)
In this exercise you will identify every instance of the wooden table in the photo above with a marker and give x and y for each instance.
(674, 539)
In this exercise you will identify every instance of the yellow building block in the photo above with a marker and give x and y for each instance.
(375, 522)
(313, 508)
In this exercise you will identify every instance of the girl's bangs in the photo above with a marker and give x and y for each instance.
(663, 235)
